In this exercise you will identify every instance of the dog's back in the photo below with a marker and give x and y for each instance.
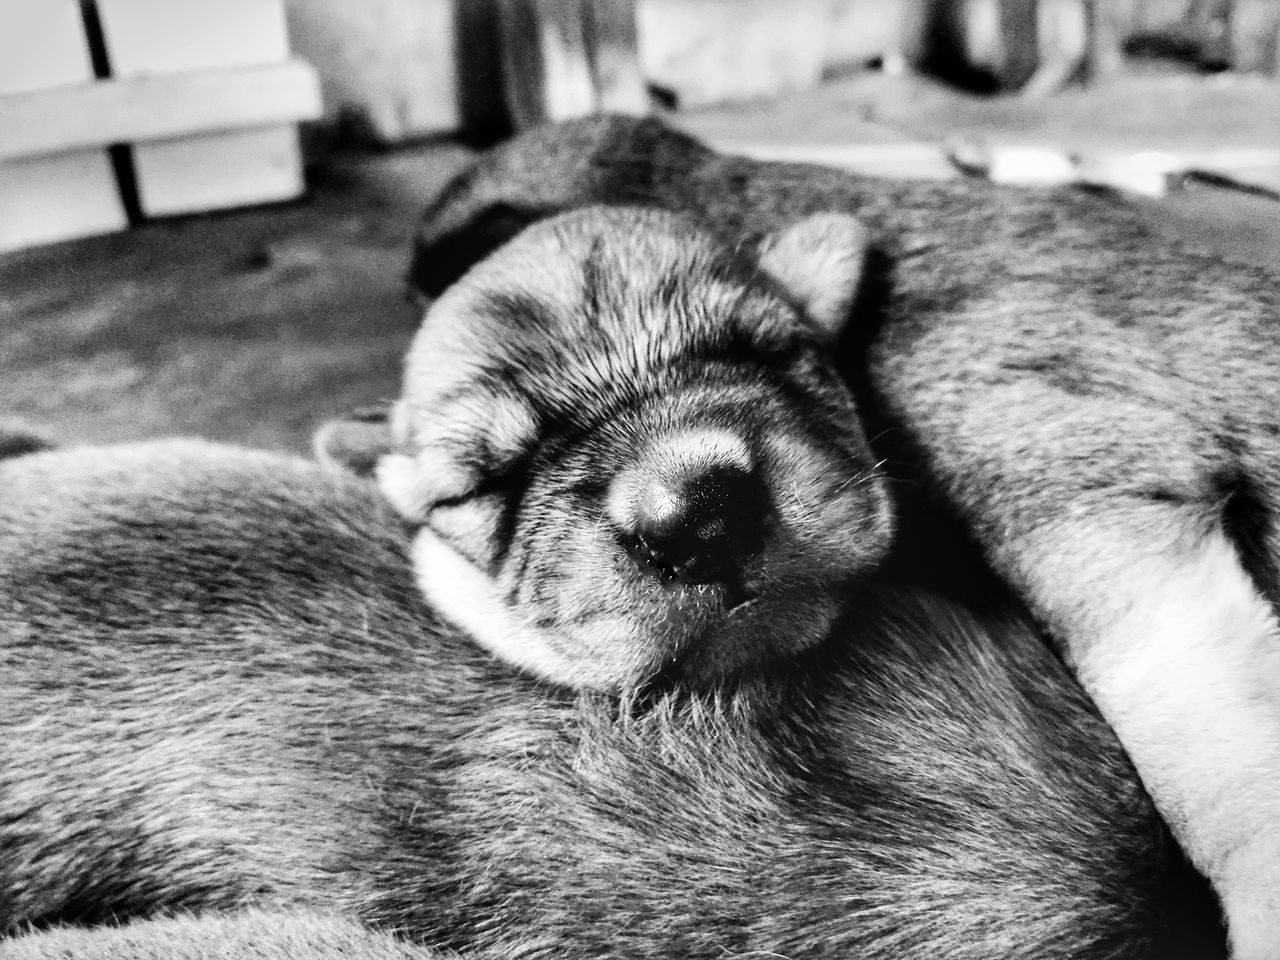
(1095, 404)
(219, 689)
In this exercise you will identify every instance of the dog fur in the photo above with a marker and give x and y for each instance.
(1098, 407)
(220, 689)
(242, 935)
(583, 377)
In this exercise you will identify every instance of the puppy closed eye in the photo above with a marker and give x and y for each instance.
(473, 527)
(457, 447)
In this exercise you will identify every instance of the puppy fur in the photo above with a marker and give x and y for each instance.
(586, 373)
(246, 935)
(1097, 406)
(220, 689)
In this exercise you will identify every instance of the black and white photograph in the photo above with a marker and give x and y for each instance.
(639, 479)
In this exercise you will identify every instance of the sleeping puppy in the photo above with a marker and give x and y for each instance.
(220, 691)
(1098, 408)
(628, 453)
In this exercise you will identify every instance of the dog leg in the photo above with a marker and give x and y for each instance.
(1171, 638)
(252, 935)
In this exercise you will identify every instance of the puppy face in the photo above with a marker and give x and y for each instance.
(625, 454)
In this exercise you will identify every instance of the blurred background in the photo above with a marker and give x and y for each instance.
(205, 205)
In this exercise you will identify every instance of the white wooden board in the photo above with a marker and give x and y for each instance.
(150, 108)
(230, 170)
(164, 37)
(59, 197)
(72, 194)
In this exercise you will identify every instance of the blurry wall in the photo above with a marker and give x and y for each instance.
(394, 70)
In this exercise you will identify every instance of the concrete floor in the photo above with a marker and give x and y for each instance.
(249, 326)
(256, 325)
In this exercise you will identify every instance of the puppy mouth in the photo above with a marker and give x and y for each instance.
(684, 666)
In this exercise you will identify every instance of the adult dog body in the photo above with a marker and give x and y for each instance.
(1098, 407)
(219, 688)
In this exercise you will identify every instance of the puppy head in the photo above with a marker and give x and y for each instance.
(626, 454)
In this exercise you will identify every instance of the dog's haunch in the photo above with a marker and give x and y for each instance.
(627, 453)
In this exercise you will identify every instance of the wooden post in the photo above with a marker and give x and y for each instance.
(55, 195)
(1103, 57)
(546, 72)
(1019, 41)
(214, 170)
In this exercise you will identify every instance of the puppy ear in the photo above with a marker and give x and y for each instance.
(355, 444)
(819, 261)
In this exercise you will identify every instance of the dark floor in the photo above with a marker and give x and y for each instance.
(247, 326)
(255, 325)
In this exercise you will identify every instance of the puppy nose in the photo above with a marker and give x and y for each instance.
(700, 525)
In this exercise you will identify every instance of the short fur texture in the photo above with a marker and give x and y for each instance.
(1097, 406)
(219, 688)
(247, 935)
